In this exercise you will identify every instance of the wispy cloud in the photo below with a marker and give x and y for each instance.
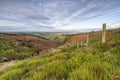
(95, 9)
(51, 14)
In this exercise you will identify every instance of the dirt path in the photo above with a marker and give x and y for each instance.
(6, 64)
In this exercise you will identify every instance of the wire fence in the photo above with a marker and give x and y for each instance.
(113, 25)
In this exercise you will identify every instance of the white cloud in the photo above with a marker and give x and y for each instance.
(59, 14)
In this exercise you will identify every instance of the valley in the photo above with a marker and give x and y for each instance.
(96, 61)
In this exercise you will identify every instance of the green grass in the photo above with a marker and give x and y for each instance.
(96, 62)
(12, 75)
(13, 50)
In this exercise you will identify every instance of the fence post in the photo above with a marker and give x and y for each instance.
(81, 43)
(87, 39)
(104, 33)
(77, 44)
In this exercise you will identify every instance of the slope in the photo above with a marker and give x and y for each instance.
(95, 62)
(19, 46)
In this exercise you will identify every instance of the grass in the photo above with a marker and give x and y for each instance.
(13, 50)
(96, 62)
(12, 75)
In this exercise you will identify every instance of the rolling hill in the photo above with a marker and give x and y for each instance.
(95, 62)
(19, 46)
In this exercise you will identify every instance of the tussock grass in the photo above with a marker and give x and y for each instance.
(96, 62)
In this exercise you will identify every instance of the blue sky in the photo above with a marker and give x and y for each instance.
(57, 15)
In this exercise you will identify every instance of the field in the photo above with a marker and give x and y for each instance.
(94, 62)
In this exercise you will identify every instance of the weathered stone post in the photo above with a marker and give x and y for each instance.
(104, 33)
(87, 39)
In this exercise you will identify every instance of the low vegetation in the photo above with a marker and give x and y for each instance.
(12, 50)
(20, 46)
(96, 62)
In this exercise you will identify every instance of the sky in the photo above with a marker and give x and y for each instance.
(57, 15)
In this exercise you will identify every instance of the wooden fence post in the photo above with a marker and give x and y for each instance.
(81, 43)
(77, 44)
(104, 33)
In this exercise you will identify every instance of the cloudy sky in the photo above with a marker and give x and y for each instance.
(55, 15)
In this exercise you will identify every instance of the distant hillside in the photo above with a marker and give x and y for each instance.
(59, 39)
(48, 35)
(71, 38)
(16, 46)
